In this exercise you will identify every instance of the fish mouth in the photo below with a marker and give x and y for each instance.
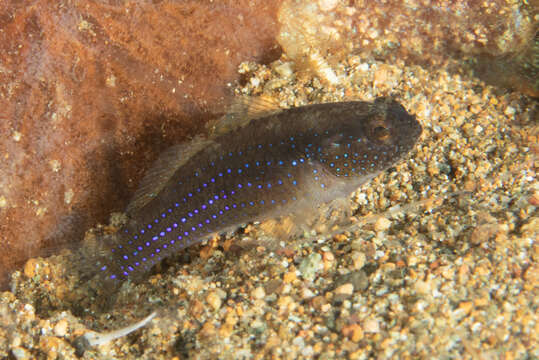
(415, 130)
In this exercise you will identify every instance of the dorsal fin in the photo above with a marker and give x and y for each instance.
(163, 168)
(242, 111)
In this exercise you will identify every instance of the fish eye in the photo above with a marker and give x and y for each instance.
(381, 132)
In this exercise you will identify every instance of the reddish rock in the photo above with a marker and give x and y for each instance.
(91, 91)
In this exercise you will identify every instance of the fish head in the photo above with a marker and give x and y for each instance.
(369, 138)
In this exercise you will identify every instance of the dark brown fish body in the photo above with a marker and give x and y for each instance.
(275, 165)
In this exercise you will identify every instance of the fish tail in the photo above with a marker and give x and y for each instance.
(95, 264)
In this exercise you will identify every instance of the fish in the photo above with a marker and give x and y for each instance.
(259, 166)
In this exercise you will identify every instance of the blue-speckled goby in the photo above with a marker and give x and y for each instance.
(274, 165)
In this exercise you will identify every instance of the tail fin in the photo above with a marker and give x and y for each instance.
(94, 264)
